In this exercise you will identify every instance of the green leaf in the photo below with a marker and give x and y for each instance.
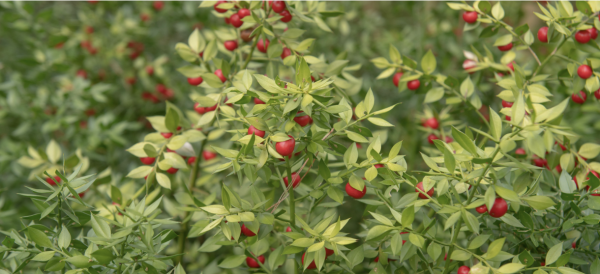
(64, 239)
(498, 12)
(495, 248)
(478, 241)
(53, 151)
(554, 252)
(104, 256)
(232, 261)
(416, 240)
(356, 256)
(464, 141)
(428, 63)
(39, 237)
(379, 122)
(589, 150)
(495, 125)
(408, 216)
(376, 231)
(467, 88)
(44, 256)
(511, 267)
(434, 95)
(171, 120)
(539, 202)
(382, 219)
(507, 194)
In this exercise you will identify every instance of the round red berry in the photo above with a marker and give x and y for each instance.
(191, 160)
(543, 34)
(584, 71)
(593, 33)
(278, 6)
(262, 45)
(172, 170)
(252, 263)
(167, 135)
(147, 160)
(520, 151)
(295, 179)
(582, 36)
(218, 9)
(431, 137)
(511, 67)
(469, 64)
(199, 109)
(287, 16)
(208, 155)
(579, 98)
(236, 21)
(463, 270)
(231, 45)
(219, 73)
(303, 120)
(256, 131)
(481, 209)
(51, 182)
(499, 208)
(355, 193)
(396, 78)
(312, 264)
(158, 5)
(195, 81)
(506, 47)
(243, 13)
(286, 148)
(258, 101)
(507, 104)
(288, 229)
(470, 17)
(413, 85)
(597, 94)
(421, 195)
(432, 123)
(285, 53)
(246, 231)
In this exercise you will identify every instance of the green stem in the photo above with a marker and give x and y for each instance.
(539, 68)
(251, 51)
(291, 191)
(121, 255)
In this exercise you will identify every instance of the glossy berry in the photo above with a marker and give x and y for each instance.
(243, 13)
(167, 135)
(51, 182)
(130, 81)
(263, 45)
(481, 209)
(147, 160)
(258, 101)
(172, 170)
(520, 152)
(511, 67)
(199, 109)
(593, 33)
(236, 21)
(287, 16)
(256, 131)
(396, 78)
(432, 123)
(469, 64)
(252, 263)
(506, 47)
(278, 6)
(463, 270)
(295, 179)
(158, 5)
(231, 45)
(597, 94)
(574, 245)
(218, 9)
(579, 98)
(246, 231)
(328, 252)
(582, 36)
(507, 104)
(219, 74)
(149, 70)
(285, 53)
(82, 73)
(303, 120)
(449, 139)
(499, 208)
(355, 193)
(470, 17)
(312, 264)
(195, 81)
(540, 162)
(421, 195)
(543, 34)
(378, 165)
(89, 30)
(431, 137)
(288, 229)
(208, 155)
(543, 264)
(584, 71)
(191, 160)
(413, 85)
(286, 148)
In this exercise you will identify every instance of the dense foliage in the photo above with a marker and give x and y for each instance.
(289, 137)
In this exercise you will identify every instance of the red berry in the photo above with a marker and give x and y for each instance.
(396, 78)
(288, 229)
(421, 195)
(258, 101)
(312, 78)
(286, 52)
(246, 231)
(89, 30)
(584, 71)
(147, 160)
(507, 118)
(236, 21)
(582, 36)
(511, 67)
(219, 74)
(507, 104)
(328, 252)
(243, 13)
(191, 160)
(463, 270)
(130, 81)
(199, 109)
(579, 99)
(520, 151)
(145, 17)
(302, 120)
(561, 146)
(597, 94)
(172, 170)
(218, 9)
(263, 45)
(195, 81)
(540, 162)
(593, 33)
(431, 137)
(355, 193)
(543, 34)
(506, 47)
(286, 148)
(470, 17)
(481, 209)
(449, 139)
(256, 131)
(574, 245)
(82, 73)
(312, 265)
(208, 155)
(158, 5)
(499, 208)
(252, 263)
(432, 123)
(51, 182)
(278, 6)
(378, 165)
(231, 45)
(295, 179)
(287, 16)
(469, 64)
(149, 70)
(413, 85)
(543, 264)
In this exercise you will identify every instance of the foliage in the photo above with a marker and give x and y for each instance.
(245, 165)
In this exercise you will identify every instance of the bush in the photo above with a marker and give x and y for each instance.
(262, 117)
